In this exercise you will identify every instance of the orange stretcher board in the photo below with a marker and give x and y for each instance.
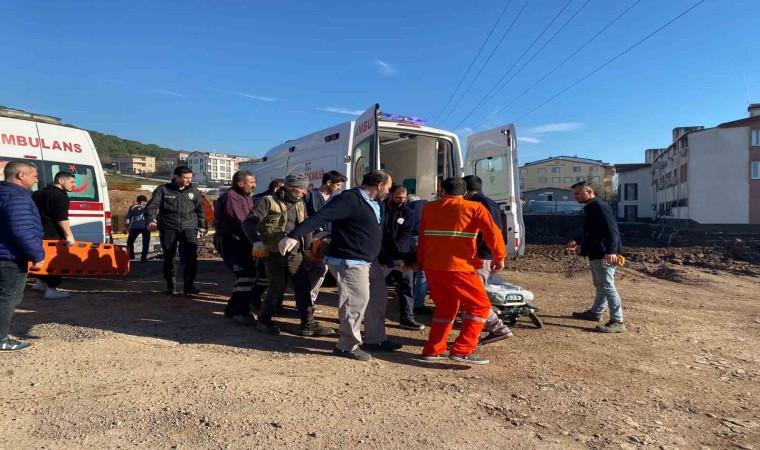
(83, 259)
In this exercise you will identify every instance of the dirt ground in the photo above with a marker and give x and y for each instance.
(121, 366)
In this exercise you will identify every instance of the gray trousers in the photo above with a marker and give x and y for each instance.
(317, 272)
(493, 323)
(362, 295)
(12, 282)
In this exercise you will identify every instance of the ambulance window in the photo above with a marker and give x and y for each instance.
(40, 178)
(496, 179)
(86, 185)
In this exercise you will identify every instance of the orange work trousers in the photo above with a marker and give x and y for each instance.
(450, 291)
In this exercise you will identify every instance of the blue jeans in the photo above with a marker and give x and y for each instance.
(420, 289)
(603, 275)
(12, 283)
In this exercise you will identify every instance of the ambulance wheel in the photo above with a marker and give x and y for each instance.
(536, 320)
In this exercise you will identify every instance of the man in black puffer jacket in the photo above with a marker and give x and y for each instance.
(176, 211)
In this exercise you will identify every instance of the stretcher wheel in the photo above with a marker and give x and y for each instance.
(535, 319)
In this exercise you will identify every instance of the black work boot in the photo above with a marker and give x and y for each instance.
(314, 328)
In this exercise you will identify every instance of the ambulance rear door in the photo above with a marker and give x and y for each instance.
(492, 156)
(365, 156)
(71, 150)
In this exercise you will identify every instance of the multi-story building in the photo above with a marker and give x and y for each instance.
(168, 162)
(211, 167)
(635, 191)
(712, 175)
(564, 171)
(136, 164)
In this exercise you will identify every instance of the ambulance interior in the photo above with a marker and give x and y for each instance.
(418, 162)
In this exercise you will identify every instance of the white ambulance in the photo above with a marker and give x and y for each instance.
(42, 141)
(416, 156)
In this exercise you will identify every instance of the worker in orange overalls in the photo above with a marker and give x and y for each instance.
(446, 251)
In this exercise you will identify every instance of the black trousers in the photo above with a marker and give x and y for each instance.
(279, 270)
(404, 280)
(188, 241)
(133, 233)
(237, 257)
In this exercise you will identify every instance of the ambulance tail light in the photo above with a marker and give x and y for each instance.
(108, 222)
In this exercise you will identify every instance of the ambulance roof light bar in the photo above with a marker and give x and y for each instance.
(401, 118)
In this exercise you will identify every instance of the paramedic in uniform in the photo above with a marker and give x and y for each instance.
(352, 259)
(233, 246)
(176, 211)
(270, 219)
(447, 252)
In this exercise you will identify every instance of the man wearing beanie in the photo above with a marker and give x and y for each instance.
(271, 218)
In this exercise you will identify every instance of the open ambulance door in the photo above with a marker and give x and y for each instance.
(492, 156)
(365, 156)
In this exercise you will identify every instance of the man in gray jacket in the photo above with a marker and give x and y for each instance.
(176, 211)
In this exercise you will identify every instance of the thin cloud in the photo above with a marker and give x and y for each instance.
(528, 140)
(464, 132)
(333, 109)
(256, 97)
(385, 68)
(555, 127)
(165, 92)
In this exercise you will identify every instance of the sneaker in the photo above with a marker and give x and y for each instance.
(268, 328)
(492, 337)
(9, 345)
(245, 320)
(314, 328)
(611, 327)
(587, 315)
(423, 311)
(355, 354)
(40, 285)
(441, 357)
(470, 359)
(385, 346)
(411, 325)
(54, 294)
(192, 291)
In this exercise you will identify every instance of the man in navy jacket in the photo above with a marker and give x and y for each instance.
(352, 259)
(20, 243)
(601, 244)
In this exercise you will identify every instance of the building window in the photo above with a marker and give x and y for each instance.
(756, 137)
(523, 171)
(631, 191)
(555, 179)
(555, 169)
(576, 169)
(522, 181)
(542, 180)
(595, 179)
(684, 176)
(568, 180)
(579, 179)
(541, 170)
(594, 169)
(756, 170)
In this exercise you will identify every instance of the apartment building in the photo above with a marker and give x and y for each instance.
(168, 162)
(635, 192)
(564, 171)
(212, 167)
(711, 175)
(136, 164)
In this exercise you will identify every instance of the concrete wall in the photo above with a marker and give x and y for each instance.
(718, 181)
(643, 178)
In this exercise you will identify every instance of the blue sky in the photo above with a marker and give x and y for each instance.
(243, 76)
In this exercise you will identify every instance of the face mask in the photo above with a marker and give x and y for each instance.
(288, 197)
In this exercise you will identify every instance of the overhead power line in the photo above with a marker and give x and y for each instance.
(486, 63)
(473, 61)
(611, 61)
(563, 61)
(488, 96)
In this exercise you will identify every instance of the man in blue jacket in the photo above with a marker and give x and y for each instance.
(20, 243)
(357, 236)
(601, 244)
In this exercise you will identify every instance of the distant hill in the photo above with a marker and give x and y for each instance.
(110, 146)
